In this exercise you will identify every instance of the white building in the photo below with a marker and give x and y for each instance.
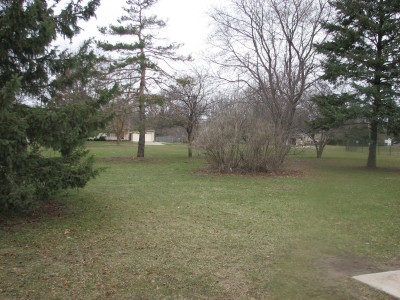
(132, 136)
(149, 136)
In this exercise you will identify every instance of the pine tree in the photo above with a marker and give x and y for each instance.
(139, 59)
(364, 54)
(32, 117)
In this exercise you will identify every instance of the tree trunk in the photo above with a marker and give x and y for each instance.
(190, 151)
(142, 104)
(320, 143)
(371, 163)
(319, 151)
(189, 131)
(142, 130)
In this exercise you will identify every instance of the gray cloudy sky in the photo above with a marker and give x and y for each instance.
(187, 21)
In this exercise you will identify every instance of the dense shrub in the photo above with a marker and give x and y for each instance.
(28, 174)
(237, 139)
(49, 100)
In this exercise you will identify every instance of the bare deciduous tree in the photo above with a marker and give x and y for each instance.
(190, 97)
(268, 46)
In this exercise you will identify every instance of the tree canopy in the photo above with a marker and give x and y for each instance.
(363, 57)
(190, 98)
(34, 113)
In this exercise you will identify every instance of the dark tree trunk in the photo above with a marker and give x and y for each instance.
(142, 104)
(190, 151)
(141, 143)
(371, 163)
(142, 130)
(320, 150)
(321, 143)
(189, 131)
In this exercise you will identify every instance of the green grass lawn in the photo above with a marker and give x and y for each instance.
(160, 228)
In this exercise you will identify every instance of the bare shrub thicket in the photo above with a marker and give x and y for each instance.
(238, 139)
(267, 48)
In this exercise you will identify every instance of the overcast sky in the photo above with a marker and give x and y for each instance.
(187, 21)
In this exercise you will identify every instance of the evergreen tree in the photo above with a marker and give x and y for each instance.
(139, 59)
(32, 117)
(364, 54)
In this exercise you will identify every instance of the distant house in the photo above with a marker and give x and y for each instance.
(132, 136)
(149, 136)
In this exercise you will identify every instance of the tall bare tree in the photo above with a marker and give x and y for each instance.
(268, 46)
(190, 97)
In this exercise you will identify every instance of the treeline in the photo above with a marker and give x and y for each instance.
(279, 70)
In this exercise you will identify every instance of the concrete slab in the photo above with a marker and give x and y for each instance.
(388, 282)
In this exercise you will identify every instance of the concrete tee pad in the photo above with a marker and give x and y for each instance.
(388, 282)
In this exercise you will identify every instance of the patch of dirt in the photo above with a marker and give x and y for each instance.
(131, 159)
(48, 210)
(290, 169)
(347, 265)
(283, 173)
(337, 272)
(393, 264)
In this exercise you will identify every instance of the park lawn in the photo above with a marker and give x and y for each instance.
(164, 227)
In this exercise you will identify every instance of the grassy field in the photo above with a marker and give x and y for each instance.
(164, 228)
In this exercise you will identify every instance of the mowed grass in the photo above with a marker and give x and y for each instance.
(163, 229)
